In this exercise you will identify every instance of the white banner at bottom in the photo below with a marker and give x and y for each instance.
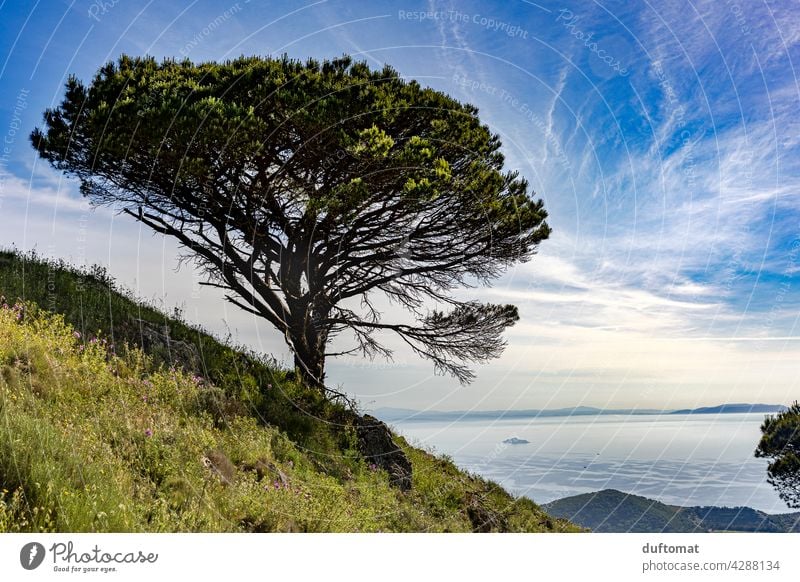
(399, 557)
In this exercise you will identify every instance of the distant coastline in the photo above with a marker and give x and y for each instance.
(410, 415)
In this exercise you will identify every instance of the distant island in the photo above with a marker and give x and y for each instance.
(515, 441)
(410, 415)
(615, 512)
(733, 408)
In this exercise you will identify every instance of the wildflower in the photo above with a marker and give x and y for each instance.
(277, 484)
(76, 335)
(269, 386)
(144, 398)
(148, 432)
(291, 464)
(373, 467)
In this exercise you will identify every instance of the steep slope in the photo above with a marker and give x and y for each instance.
(116, 417)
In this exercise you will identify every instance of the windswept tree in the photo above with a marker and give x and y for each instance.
(304, 189)
(780, 442)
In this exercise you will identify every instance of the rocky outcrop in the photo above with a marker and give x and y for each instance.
(483, 518)
(264, 469)
(222, 408)
(376, 444)
(156, 341)
(219, 464)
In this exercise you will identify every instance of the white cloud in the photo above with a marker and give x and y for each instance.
(48, 197)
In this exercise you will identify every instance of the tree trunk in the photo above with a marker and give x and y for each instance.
(309, 344)
(311, 368)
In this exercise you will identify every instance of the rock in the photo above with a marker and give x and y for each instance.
(264, 468)
(219, 405)
(156, 340)
(261, 468)
(482, 518)
(220, 465)
(377, 446)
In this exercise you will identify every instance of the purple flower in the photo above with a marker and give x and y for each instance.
(148, 432)
(269, 386)
(76, 335)
(144, 398)
(373, 467)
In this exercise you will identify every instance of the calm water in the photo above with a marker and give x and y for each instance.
(677, 459)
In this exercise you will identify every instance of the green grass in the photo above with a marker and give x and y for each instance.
(97, 434)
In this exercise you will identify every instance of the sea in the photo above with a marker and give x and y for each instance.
(678, 459)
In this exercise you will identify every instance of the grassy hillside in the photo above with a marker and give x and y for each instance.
(614, 511)
(115, 417)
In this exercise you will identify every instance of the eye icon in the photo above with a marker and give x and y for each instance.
(31, 555)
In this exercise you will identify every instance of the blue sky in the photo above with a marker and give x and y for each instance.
(663, 137)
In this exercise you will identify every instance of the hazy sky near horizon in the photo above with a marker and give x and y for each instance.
(663, 137)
